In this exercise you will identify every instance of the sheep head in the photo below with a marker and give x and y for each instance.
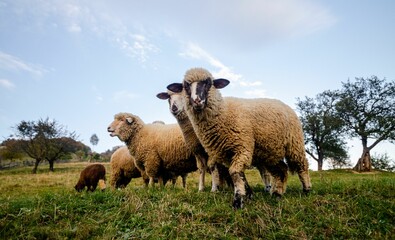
(197, 85)
(125, 126)
(176, 101)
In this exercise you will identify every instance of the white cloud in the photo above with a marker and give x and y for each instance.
(137, 46)
(194, 51)
(13, 63)
(122, 96)
(7, 84)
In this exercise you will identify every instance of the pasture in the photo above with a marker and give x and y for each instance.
(342, 205)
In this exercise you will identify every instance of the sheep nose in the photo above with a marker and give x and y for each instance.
(109, 129)
(197, 100)
(174, 108)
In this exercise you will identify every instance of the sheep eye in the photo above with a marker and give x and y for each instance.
(187, 87)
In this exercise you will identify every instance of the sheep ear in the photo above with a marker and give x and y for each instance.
(175, 87)
(163, 95)
(129, 120)
(221, 83)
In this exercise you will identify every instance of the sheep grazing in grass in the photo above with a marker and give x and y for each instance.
(159, 150)
(244, 132)
(123, 168)
(90, 177)
(177, 108)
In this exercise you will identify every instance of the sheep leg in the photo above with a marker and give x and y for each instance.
(184, 180)
(160, 181)
(305, 180)
(202, 166)
(266, 178)
(239, 189)
(152, 182)
(279, 173)
(215, 178)
(202, 177)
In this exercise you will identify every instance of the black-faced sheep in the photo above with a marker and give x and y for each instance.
(159, 150)
(244, 132)
(90, 177)
(219, 172)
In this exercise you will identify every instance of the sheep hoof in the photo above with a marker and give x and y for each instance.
(237, 202)
(277, 195)
(306, 191)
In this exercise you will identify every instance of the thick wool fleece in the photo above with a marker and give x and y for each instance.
(158, 149)
(266, 130)
(123, 168)
(90, 177)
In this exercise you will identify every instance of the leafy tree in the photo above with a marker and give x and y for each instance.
(322, 129)
(367, 107)
(94, 141)
(10, 149)
(43, 140)
(383, 162)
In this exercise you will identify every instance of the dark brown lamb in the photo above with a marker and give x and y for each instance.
(90, 177)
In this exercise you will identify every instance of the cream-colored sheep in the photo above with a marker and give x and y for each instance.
(244, 132)
(159, 150)
(219, 173)
(123, 168)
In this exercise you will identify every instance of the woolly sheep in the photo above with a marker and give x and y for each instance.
(177, 108)
(244, 132)
(123, 168)
(90, 177)
(158, 149)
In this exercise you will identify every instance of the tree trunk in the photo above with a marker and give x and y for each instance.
(51, 162)
(364, 164)
(320, 163)
(34, 171)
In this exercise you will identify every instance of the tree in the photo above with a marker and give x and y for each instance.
(367, 107)
(383, 162)
(94, 140)
(10, 149)
(322, 129)
(43, 140)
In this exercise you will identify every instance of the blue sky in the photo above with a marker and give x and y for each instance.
(81, 62)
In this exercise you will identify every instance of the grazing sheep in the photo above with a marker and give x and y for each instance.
(158, 149)
(90, 177)
(123, 168)
(177, 108)
(244, 132)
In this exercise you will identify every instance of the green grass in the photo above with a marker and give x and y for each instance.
(343, 205)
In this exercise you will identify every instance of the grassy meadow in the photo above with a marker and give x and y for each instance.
(342, 205)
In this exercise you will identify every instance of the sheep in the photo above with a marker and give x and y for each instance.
(90, 177)
(158, 149)
(177, 108)
(244, 132)
(123, 168)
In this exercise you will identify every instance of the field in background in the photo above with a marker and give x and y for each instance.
(342, 205)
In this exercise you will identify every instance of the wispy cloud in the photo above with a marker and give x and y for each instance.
(137, 46)
(5, 83)
(13, 63)
(122, 96)
(194, 51)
